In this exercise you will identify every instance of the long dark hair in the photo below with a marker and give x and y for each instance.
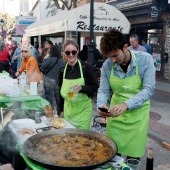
(54, 52)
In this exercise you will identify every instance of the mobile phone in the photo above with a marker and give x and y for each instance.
(103, 109)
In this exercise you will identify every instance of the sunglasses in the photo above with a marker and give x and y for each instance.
(68, 52)
(24, 51)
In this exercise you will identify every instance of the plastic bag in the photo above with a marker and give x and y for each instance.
(9, 87)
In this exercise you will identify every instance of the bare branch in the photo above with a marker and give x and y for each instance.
(57, 4)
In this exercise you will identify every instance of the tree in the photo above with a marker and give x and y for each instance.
(53, 5)
(9, 23)
(68, 5)
(52, 8)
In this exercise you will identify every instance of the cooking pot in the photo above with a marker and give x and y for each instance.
(29, 146)
(100, 120)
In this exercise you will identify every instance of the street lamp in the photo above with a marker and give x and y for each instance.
(2, 23)
(91, 45)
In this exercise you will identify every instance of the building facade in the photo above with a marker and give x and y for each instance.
(149, 20)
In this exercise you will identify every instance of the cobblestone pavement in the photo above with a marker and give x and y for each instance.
(161, 156)
(161, 96)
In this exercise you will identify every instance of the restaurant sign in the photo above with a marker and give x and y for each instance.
(78, 19)
(105, 18)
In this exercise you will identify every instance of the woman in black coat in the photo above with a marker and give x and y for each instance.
(50, 68)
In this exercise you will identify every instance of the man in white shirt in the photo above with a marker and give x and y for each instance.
(134, 42)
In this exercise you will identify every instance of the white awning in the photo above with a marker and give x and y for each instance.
(78, 19)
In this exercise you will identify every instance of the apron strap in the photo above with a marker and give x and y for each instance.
(136, 62)
(81, 71)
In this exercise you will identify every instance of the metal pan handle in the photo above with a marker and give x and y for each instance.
(44, 129)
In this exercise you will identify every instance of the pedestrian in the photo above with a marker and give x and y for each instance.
(30, 66)
(8, 43)
(17, 54)
(50, 69)
(97, 56)
(60, 47)
(78, 84)
(134, 44)
(130, 75)
(83, 54)
(147, 46)
(4, 60)
(36, 45)
(13, 62)
(44, 51)
(154, 56)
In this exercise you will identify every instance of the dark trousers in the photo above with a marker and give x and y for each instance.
(14, 69)
(52, 92)
(4, 66)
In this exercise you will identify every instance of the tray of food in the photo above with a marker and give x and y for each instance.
(57, 122)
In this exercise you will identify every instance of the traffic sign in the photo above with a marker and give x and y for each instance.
(3, 32)
(22, 22)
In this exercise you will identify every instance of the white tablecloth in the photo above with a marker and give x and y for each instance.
(22, 138)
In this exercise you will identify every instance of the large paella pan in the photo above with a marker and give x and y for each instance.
(69, 149)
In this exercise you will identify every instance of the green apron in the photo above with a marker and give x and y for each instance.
(77, 110)
(129, 130)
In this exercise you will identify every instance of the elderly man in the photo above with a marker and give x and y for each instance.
(17, 54)
(134, 42)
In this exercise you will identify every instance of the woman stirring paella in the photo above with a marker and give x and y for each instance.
(77, 83)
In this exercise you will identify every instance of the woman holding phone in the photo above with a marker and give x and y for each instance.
(78, 84)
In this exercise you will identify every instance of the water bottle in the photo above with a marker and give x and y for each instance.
(37, 117)
(23, 82)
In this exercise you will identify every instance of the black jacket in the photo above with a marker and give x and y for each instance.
(49, 70)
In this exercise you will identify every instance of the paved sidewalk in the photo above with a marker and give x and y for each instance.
(159, 126)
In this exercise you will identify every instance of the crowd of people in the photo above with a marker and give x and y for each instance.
(68, 82)
(41, 64)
